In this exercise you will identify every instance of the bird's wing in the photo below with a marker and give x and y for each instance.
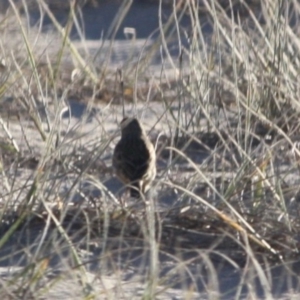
(131, 158)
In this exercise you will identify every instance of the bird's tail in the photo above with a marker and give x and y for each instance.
(135, 190)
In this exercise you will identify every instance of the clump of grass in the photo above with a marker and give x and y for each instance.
(227, 127)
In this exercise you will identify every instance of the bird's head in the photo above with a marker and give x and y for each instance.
(131, 126)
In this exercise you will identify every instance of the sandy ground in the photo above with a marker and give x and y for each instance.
(124, 275)
(119, 269)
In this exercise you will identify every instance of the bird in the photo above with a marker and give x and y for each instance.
(134, 158)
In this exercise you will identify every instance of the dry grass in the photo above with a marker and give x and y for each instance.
(224, 220)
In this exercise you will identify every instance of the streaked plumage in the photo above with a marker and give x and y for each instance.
(134, 158)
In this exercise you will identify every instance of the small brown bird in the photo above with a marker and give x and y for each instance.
(134, 158)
